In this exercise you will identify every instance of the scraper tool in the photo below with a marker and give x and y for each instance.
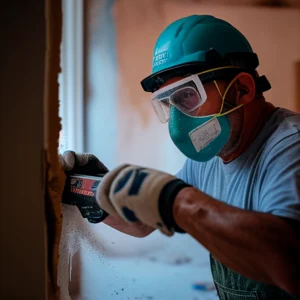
(80, 191)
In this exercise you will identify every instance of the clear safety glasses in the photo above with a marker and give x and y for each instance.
(187, 95)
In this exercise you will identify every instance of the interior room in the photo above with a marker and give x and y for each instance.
(106, 50)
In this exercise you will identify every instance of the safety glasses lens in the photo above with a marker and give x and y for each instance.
(186, 99)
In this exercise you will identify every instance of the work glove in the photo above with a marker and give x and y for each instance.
(81, 163)
(140, 194)
(89, 164)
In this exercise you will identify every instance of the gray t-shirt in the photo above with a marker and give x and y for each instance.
(265, 178)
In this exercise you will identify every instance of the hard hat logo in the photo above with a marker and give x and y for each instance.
(162, 48)
(160, 59)
(161, 55)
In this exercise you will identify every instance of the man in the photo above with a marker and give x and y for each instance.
(238, 193)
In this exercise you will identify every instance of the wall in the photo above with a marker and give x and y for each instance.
(101, 81)
(113, 96)
(143, 139)
(22, 232)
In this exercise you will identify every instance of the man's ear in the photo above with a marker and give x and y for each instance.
(245, 88)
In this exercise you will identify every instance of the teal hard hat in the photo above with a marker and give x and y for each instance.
(197, 43)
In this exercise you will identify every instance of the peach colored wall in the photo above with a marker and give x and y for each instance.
(142, 138)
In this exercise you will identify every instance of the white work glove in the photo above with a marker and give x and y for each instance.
(141, 194)
(89, 164)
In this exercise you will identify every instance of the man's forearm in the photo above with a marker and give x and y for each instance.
(259, 246)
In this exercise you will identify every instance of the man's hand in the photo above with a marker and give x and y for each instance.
(89, 164)
(138, 194)
(82, 163)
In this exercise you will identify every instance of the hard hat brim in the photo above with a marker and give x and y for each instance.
(247, 61)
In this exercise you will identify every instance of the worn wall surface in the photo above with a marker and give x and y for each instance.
(101, 81)
(22, 226)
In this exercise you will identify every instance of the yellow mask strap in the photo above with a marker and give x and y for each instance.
(216, 69)
(224, 96)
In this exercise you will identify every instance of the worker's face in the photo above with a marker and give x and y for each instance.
(215, 91)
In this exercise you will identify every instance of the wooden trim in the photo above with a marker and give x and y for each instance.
(55, 177)
(297, 84)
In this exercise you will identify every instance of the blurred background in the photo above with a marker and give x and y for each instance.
(106, 52)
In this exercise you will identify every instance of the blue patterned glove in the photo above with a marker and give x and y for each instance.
(141, 194)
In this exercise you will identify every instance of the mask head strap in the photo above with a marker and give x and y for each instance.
(224, 96)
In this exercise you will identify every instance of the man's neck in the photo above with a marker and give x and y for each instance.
(255, 115)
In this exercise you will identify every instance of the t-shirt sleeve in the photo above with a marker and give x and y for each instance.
(280, 181)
